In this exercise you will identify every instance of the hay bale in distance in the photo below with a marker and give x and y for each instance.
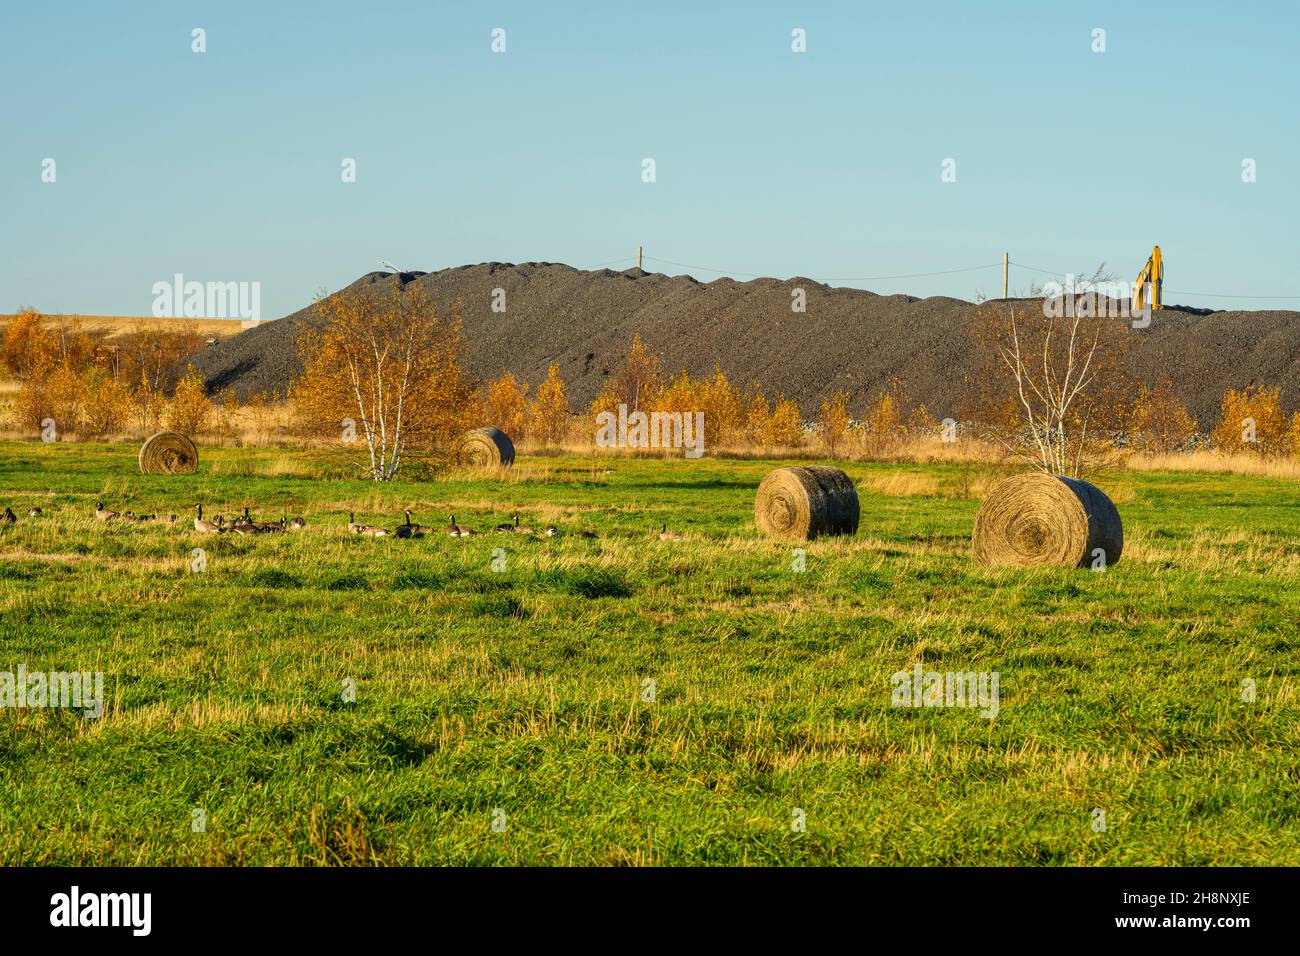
(803, 503)
(168, 453)
(485, 448)
(1037, 518)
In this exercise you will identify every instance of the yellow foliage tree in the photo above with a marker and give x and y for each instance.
(147, 405)
(833, 422)
(785, 427)
(1252, 420)
(549, 415)
(29, 351)
(636, 384)
(720, 402)
(756, 416)
(1161, 423)
(382, 358)
(64, 396)
(506, 405)
(190, 408)
(883, 427)
(107, 403)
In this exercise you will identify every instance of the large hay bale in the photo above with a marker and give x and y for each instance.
(803, 503)
(168, 453)
(485, 448)
(1045, 519)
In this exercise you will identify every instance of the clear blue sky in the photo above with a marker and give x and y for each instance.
(226, 165)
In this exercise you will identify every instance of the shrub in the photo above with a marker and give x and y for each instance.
(106, 404)
(506, 405)
(190, 408)
(1161, 423)
(549, 415)
(1252, 421)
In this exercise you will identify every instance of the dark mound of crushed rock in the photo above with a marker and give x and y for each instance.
(847, 339)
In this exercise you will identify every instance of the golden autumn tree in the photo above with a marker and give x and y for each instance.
(506, 405)
(147, 405)
(884, 425)
(29, 351)
(756, 416)
(1252, 420)
(549, 415)
(381, 358)
(65, 397)
(834, 422)
(1160, 422)
(189, 410)
(636, 384)
(785, 426)
(721, 404)
(106, 403)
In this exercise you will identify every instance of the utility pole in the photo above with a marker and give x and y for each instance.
(1006, 261)
(638, 257)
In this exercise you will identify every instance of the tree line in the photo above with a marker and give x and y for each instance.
(382, 366)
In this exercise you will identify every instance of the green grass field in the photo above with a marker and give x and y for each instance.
(516, 695)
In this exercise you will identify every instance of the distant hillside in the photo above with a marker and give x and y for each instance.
(115, 326)
(847, 339)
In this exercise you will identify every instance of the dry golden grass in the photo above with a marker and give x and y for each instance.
(1217, 463)
(113, 326)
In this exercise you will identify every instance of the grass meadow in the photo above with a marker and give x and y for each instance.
(501, 716)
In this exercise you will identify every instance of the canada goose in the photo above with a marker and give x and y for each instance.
(410, 529)
(103, 514)
(551, 531)
(458, 531)
(35, 513)
(506, 528)
(297, 524)
(206, 527)
(523, 530)
(145, 517)
(8, 517)
(360, 527)
(257, 527)
(589, 535)
(666, 535)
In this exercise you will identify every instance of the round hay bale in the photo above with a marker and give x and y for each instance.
(485, 448)
(1045, 519)
(803, 503)
(168, 453)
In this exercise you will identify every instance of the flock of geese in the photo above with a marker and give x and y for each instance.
(453, 530)
(245, 525)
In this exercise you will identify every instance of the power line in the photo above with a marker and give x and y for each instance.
(1223, 295)
(1207, 295)
(611, 262)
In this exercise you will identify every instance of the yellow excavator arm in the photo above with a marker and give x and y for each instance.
(1152, 278)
